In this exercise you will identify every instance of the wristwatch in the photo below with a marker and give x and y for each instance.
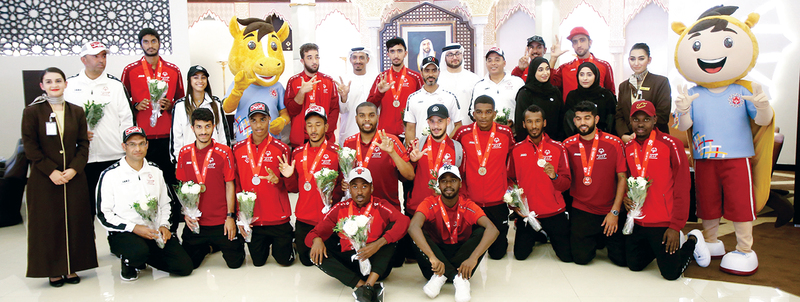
(231, 215)
(615, 212)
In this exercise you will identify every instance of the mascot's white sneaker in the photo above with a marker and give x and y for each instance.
(701, 253)
(717, 249)
(739, 263)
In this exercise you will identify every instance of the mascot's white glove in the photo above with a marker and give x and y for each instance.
(684, 101)
(763, 109)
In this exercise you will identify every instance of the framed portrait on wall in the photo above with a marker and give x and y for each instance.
(425, 40)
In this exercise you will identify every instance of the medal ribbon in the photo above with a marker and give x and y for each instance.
(484, 157)
(351, 209)
(147, 70)
(364, 162)
(309, 174)
(396, 91)
(201, 177)
(641, 167)
(434, 166)
(451, 229)
(257, 169)
(588, 166)
(313, 96)
(539, 148)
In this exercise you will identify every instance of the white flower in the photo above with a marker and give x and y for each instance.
(361, 220)
(641, 182)
(143, 205)
(185, 188)
(240, 195)
(348, 152)
(350, 227)
(507, 198)
(161, 85)
(194, 189)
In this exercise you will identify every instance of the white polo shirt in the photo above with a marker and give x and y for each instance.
(503, 93)
(419, 102)
(461, 84)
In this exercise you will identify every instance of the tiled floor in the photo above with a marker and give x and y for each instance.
(539, 278)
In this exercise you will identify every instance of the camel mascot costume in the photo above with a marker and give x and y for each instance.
(730, 122)
(257, 73)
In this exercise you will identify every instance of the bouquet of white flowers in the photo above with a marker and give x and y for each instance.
(356, 229)
(347, 161)
(247, 201)
(158, 90)
(433, 184)
(94, 112)
(189, 197)
(515, 197)
(426, 131)
(503, 116)
(637, 191)
(326, 181)
(147, 208)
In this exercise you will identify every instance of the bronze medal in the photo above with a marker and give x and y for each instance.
(482, 171)
(587, 181)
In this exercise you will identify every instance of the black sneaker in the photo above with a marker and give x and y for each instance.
(364, 293)
(379, 291)
(127, 272)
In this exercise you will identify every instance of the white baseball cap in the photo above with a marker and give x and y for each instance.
(360, 172)
(92, 48)
(448, 169)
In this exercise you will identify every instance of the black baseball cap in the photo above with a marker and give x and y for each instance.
(257, 107)
(536, 39)
(195, 69)
(430, 60)
(131, 131)
(438, 110)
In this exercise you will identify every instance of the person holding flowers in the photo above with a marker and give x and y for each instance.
(597, 165)
(125, 183)
(257, 171)
(383, 224)
(302, 170)
(108, 113)
(210, 164)
(456, 236)
(659, 159)
(539, 165)
(485, 174)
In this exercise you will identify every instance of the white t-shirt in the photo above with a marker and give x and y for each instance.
(419, 102)
(461, 84)
(503, 93)
(359, 91)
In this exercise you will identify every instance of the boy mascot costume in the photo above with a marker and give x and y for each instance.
(256, 73)
(731, 126)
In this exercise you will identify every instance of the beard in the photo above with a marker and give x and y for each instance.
(439, 136)
(311, 69)
(588, 131)
(450, 196)
(454, 65)
(361, 128)
(152, 53)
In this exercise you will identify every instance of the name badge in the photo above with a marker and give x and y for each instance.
(644, 88)
(50, 127)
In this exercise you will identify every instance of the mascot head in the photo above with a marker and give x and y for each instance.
(718, 49)
(248, 55)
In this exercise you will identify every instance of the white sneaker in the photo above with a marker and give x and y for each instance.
(701, 253)
(434, 286)
(717, 249)
(462, 289)
(739, 263)
(682, 239)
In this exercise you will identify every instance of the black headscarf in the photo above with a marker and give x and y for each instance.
(594, 90)
(533, 84)
(604, 99)
(544, 95)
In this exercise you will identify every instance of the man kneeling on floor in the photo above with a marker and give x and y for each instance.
(456, 235)
(386, 227)
(659, 158)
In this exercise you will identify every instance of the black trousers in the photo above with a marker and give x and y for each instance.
(158, 153)
(340, 266)
(644, 245)
(279, 237)
(93, 171)
(452, 255)
(587, 234)
(138, 251)
(557, 227)
(499, 216)
(405, 249)
(301, 230)
(197, 245)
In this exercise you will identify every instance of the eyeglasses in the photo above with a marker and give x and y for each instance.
(133, 145)
(453, 54)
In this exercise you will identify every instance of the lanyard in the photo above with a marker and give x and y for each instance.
(484, 156)
(351, 209)
(539, 148)
(365, 161)
(451, 229)
(201, 177)
(434, 166)
(256, 168)
(147, 70)
(313, 96)
(641, 167)
(396, 91)
(589, 165)
(309, 173)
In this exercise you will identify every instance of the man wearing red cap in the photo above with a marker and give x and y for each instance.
(565, 76)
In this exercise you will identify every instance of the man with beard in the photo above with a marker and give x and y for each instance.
(598, 171)
(210, 164)
(94, 84)
(550, 176)
(336, 256)
(311, 87)
(565, 76)
(501, 86)
(425, 50)
(457, 234)
(155, 116)
(457, 80)
(391, 89)
(536, 48)
(485, 174)
(354, 90)
(299, 170)
(431, 93)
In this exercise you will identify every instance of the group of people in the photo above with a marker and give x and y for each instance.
(567, 141)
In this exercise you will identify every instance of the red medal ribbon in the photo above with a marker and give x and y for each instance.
(351, 209)
(364, 162)
(451, 229)
(309, 174)
(484, 157)
(589, 165)
(641, 167)
(257, 169)
(201, 177)
(313, 96)
(396, 91)
(434, 166)
(147, 70)
(539, 148)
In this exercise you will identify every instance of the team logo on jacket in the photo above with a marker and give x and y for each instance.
(735, 100)
(447, 160)
(497, 144)
(268, 157)
(654, 153)
(326, 161)
(601, 154)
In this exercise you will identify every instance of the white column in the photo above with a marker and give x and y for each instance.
(480, 47)
(303, 29)
(374, 42)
